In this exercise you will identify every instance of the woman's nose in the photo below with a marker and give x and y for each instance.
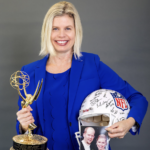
(61, 33)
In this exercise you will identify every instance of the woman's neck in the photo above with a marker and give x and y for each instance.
(59, 63)
(60, 59)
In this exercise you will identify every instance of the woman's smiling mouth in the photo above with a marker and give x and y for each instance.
(61, 42)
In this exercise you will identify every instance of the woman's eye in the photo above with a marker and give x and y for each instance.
(68, 29)
(54, 28)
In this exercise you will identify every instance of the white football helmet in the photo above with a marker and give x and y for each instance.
(102, 108)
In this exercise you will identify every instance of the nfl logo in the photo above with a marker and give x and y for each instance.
(120, 101)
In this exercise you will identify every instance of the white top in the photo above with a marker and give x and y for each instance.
(86, 146)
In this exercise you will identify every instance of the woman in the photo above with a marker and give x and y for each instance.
(101, 142)
(68, 77)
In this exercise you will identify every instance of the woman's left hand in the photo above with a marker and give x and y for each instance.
(120, 129)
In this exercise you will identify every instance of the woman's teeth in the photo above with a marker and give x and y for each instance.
(61, 42)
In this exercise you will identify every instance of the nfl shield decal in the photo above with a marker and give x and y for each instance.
(120, 101)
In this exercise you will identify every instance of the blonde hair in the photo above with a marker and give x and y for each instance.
(103, 136)
(60, 9)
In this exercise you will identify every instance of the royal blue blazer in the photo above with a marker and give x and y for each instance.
(87, 75)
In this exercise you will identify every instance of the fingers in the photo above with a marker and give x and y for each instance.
(119, 129)
(115, 125)
(115, 130)
(25, 123)
(25, 117)
(24, 110)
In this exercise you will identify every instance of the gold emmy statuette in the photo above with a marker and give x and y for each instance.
(20, 80)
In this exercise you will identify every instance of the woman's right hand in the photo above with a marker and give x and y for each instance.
(24, 116)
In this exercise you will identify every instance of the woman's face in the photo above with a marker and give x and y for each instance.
(63, 33)
(101, 143)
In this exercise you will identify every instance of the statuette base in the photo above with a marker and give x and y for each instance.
(36, 142)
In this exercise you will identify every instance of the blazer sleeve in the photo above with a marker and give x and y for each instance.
(110, 80)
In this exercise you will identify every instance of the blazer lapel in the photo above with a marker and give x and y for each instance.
(40, 72)
(76, 69)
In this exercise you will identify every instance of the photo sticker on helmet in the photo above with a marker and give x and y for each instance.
(94, 138)
(120, 101)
